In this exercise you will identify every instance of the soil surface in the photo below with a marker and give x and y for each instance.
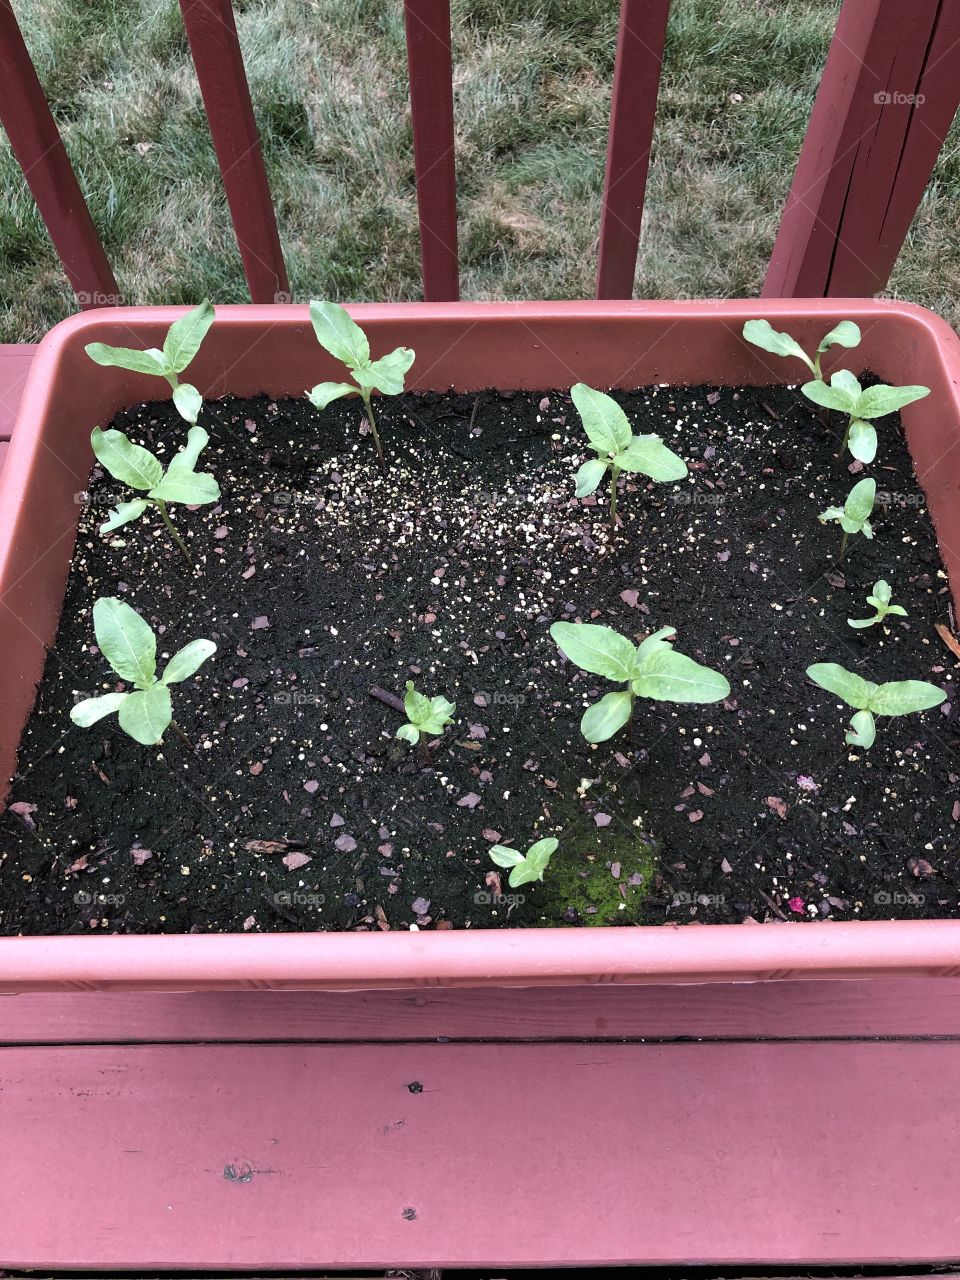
(320, 579)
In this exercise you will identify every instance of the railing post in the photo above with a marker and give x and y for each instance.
(636, 83)
(430, 63)
(890, 89)
(40, 152)
(215, 46)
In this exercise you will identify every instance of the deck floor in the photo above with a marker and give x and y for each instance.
(794, 1123)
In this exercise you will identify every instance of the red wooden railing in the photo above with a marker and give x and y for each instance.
(890, 89)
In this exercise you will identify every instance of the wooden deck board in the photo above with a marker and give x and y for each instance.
(773, 1010)
(300, 1156)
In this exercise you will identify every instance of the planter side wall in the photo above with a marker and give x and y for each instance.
(465, 346)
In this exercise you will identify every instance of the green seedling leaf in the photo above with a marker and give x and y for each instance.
(325, 393)
(896, 698)
(524, 874)
(542, 851)
(608, 716)
(668, 676)
(138, 467)
(862, 440)
(187, 661)
(862, 731)
(650, 456)
(904, 697)
(125, 640)
(844, 382)
(91, 710)
(880, 400)
(179, 347)
(150, 361)
(339, 334)
(146, 714)
(387, 374)
(853, 517)
(597, 649)
(846, 334)
(846, 685)
(188, 401)
(416, 705)
(439, 716)
(123, 513)
(832, 396)
(181, 483)
(427, 718)
(127, 462)
(860, 500)
(524, 868)
(345, 340)
(605, 423)
(504, 856)
(184, 338)
(609, 432)
(128, 643)
(654, 643)
(880, 600)
(589, 476)
(651, 670)
(763, 335)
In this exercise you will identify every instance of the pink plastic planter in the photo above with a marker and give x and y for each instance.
(467, 346)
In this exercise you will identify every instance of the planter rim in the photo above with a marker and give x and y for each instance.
(503, 956)
(465, 957)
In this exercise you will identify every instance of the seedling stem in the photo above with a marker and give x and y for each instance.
(373, 427)
(162, 508)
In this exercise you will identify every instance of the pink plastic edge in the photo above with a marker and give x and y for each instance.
(668, 953)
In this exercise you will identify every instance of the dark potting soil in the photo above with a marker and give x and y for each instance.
(320, 579)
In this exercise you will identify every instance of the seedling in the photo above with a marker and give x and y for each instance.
(897, 698)
(426, 718)
(345, 340)
(854, 515)
(179, 347)
(133, 465)
(762, 334)
(845, 393)
(609, 432)
(130, 646)
(528, 866)
(648, 670)
(880, 599)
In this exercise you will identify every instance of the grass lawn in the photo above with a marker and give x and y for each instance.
(532, 99)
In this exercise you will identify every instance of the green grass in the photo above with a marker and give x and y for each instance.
(532, 83)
